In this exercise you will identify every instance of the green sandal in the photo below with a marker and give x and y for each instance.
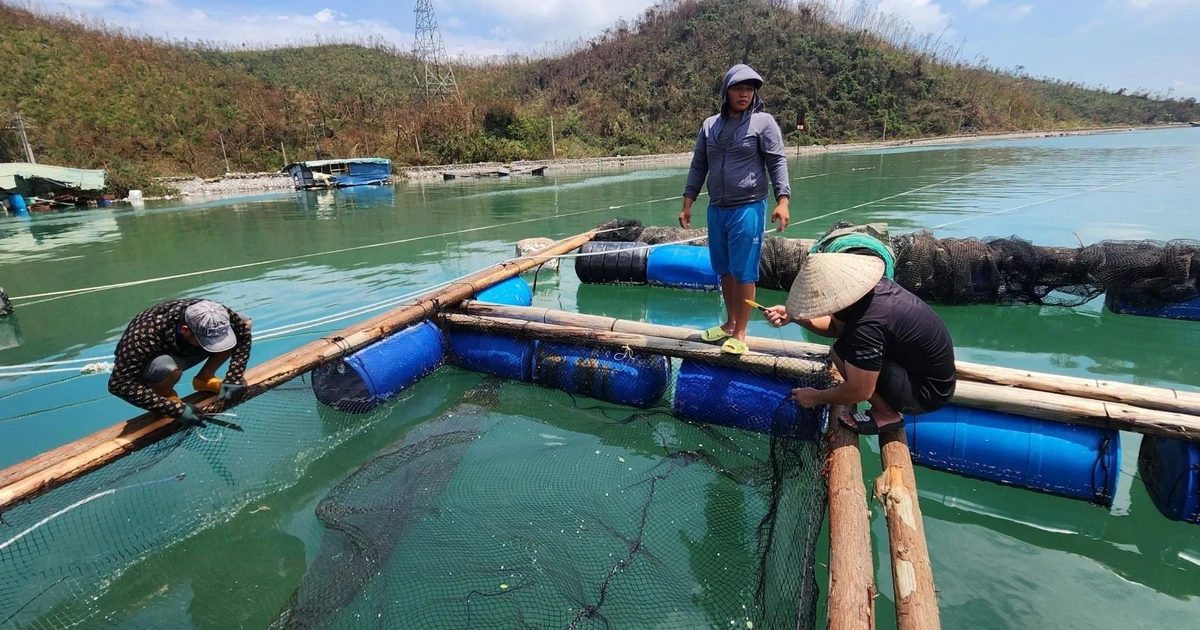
(734, 346)
(716, 333)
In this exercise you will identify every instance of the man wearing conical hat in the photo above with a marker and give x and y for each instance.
(891, 349)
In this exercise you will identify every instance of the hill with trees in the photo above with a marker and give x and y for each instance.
(100, 97)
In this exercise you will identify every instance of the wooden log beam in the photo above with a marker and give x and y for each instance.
(851, 604)
(912, 572)
(1145, 410)
(786, 367)
(59, 466)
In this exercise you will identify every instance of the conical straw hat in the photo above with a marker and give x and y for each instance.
(828, 283)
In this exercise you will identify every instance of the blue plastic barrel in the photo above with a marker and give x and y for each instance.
(1067, 460)
(362, 381)
(1171, 471)
(1189, 310)
(613, 376)
(497, 355)
(512, 292)
(18, 204)
(682, 267)
(736, 398)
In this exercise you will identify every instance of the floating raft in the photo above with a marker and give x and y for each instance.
(1146, 278)
(1056, 435)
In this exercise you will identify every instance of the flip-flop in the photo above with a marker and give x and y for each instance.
(716, 333)
(734, 346)
(863, 423)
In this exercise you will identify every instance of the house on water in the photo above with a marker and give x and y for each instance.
(25, 186)
(340, 173)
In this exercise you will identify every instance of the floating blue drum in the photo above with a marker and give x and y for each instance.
(1071, 461)
(1189, 310)
(362, 381)
(512, 292)
(18, 204)
(613, 376)
(1171, 471)
(745, 400)
(498, 355)
(682, 267)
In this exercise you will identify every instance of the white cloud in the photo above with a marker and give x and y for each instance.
(975, 4)
(1019, 11)
(1143, 5)
(925, 16)
(327, 15)
(535, 22)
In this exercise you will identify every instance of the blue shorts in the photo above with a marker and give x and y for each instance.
(735, 237)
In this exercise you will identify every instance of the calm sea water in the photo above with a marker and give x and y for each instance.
(1003, 558)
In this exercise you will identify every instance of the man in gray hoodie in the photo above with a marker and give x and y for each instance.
(737, 150)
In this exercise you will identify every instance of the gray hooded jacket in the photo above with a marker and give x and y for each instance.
(737, 173)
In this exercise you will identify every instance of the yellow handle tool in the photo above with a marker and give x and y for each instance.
(757, 305)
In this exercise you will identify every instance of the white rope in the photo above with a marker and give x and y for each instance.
(80, 503)
(119, 285)
(889, 197)
(1045, 201)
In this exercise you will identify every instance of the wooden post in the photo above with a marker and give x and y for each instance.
(553, 152)
(852, 591)
(1121, 405)
(25, 139)
(222, 151)
(59, 466)
(912, 572)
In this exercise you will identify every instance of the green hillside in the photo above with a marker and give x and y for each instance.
(141, 107)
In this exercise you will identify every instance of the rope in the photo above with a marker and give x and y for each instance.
(119, 285)
(1045, 201)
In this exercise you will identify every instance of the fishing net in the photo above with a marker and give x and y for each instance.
(1007, 271)
(467, 501)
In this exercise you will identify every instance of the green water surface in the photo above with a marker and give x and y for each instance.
(1003, 557)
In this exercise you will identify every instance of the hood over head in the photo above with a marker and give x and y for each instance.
(742, 73)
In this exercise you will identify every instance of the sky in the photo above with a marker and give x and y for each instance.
(1134, 44)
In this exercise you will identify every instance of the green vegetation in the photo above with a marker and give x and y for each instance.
(99, 97)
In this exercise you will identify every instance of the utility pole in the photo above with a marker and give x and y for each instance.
(430, 51)
(222, 138)
(24, 138)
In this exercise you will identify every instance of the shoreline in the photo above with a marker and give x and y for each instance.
(240, 183)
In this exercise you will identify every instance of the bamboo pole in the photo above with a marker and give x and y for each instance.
(752, 362)
(1131, 401)
(59, 466)
(912, 572)
(851, 604)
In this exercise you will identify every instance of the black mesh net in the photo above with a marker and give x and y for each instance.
(1007, 271)
(467, 501)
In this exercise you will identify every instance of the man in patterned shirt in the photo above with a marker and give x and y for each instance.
(174, 336)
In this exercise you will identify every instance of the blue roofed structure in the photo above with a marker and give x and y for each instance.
(340, 172)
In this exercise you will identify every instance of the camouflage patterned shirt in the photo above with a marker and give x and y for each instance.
(155, 332)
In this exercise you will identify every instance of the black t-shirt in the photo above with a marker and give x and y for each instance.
(889, 323)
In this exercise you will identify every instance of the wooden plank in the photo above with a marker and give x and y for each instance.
(1137, 408)
(1074, 410)
(683, 349)
(851, 604)
(912, 572)
(55, 468)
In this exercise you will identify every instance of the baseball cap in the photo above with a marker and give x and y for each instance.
(209, 323)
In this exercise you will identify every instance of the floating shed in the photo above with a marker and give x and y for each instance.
(339, 173)
(22, 181)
